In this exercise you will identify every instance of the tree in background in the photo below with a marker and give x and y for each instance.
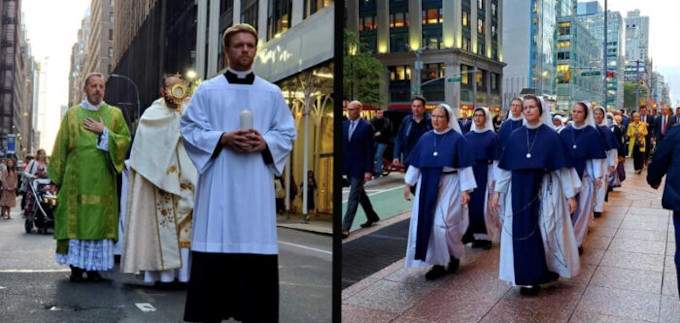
(629, 90)
(362, 72)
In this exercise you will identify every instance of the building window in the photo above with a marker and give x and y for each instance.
(433, 71)
(312, 6)
(249, 13)
(400, 73)
(480, 26)
(480, 76)
(368, 23)
(398, 41)
(465, 19)
(563, 44)
(111, 3)
(494, 82)
(464, 75)
(279, 17)
(466, 43)
(432, 16)
(564, 28)
(398, 20)
(480, 4)
(563, 55)
(110, 52)
(493, 9)
(226, 5)
(110, 34)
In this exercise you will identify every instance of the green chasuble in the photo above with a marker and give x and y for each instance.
(87, 206)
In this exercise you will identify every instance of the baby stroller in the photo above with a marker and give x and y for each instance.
(44, 204)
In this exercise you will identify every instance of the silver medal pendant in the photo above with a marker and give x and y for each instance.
(435, 153)
(574, 146)
(528, 155)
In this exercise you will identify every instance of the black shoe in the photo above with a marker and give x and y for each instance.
(454, 263)
(580, 250)
(345, 234)
(531, 290)
(597, 214)
(76, 274)
(369, 223)
(93, 276)
(436, 272)
(482, 244)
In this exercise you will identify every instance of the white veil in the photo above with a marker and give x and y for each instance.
(488, 124)
(546, 118)
(590, 120)
(453, 119)
(604, 113)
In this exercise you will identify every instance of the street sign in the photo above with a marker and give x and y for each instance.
(11, 143)
(418, 65)
(415, 89)
(590, 73)
(454, 79)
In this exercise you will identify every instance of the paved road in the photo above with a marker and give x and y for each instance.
(33, 288)
(386, 195)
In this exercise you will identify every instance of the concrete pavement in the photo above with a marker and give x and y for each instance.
(627, 275)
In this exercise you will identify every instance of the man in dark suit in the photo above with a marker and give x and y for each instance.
(666, 161)
(664, 122)
(357, 165)
(465, 123)
(677, 115)
(647, 118)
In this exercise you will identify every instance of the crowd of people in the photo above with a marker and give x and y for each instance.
(531, 183)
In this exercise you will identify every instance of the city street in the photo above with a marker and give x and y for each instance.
(33, 288)
(627, 274)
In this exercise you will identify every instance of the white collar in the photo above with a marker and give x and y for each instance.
(475, 129)
(88, 106)
(533, 126)
(515, 119)
(240, 74)
(579, 127)
(442, 132)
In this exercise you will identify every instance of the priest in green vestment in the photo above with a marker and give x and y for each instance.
(89, 151)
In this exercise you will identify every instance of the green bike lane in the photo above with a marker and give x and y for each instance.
(387, 198)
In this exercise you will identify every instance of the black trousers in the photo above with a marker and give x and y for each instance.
(638, 158)
(676, 224)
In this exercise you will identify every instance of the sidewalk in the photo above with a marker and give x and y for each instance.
(322, 223)
(627, 275)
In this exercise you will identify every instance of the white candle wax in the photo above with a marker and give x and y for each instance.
(246, 119)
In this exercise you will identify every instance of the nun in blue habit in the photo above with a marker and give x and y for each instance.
(537, 238)
(441, 166)
(484, 223)
(587, 149)
(513, 122)
(612, 148)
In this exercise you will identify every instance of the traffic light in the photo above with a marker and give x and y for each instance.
(610, 74)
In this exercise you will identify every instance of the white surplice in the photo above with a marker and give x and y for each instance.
(234, 210)
(160, 198)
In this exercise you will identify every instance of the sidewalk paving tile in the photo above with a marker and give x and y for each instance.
(634, 234)
(629, 279)
(359, 314)
(632, 260)
(389, 296)
(549, 305)
(592, 256)
(619, 302)
(670, 309)
(584, 276)
(599, 231)
(596, 242)
(652, 247)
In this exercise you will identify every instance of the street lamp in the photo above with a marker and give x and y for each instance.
(139, 111)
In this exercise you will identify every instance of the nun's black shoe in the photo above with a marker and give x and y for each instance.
(94, 276)
(454, 263)
(529, 290)
(76, 274)
(580, 250)
(436, 272)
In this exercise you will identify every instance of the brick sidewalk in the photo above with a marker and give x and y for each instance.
(627, 275)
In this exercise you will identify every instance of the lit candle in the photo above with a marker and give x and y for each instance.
(246, 119)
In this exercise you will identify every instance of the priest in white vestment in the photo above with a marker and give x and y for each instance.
(238, 131)
(160, 197)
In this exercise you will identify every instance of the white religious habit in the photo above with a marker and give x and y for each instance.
(160, 199)
(234, 211)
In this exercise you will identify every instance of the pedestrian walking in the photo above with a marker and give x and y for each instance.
(36, 169)
(412, 127)
(239, 132)
(357, 165)
(10, 181)
(637, 145)
(537, 239)
(611, 151)
(162, 184)
(311, 190)
(497, 121)
(663, 123)
(665, 162)
(648, 119)
(23, 185)
(382, 135)
(587, 150)
(513, 122)
(484, 223)
(88, 153)
(441, 166)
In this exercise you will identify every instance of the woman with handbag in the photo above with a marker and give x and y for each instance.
(636, 145)
(10, 181)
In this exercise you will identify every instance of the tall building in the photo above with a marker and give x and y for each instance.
(152, 38)
(578, 54)
(16, 74)
(100, 37)
(588, 8)
(530, 53)
(79, 58)
(449, 51)
(637, 46)
(592, 18)
(295, 51)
